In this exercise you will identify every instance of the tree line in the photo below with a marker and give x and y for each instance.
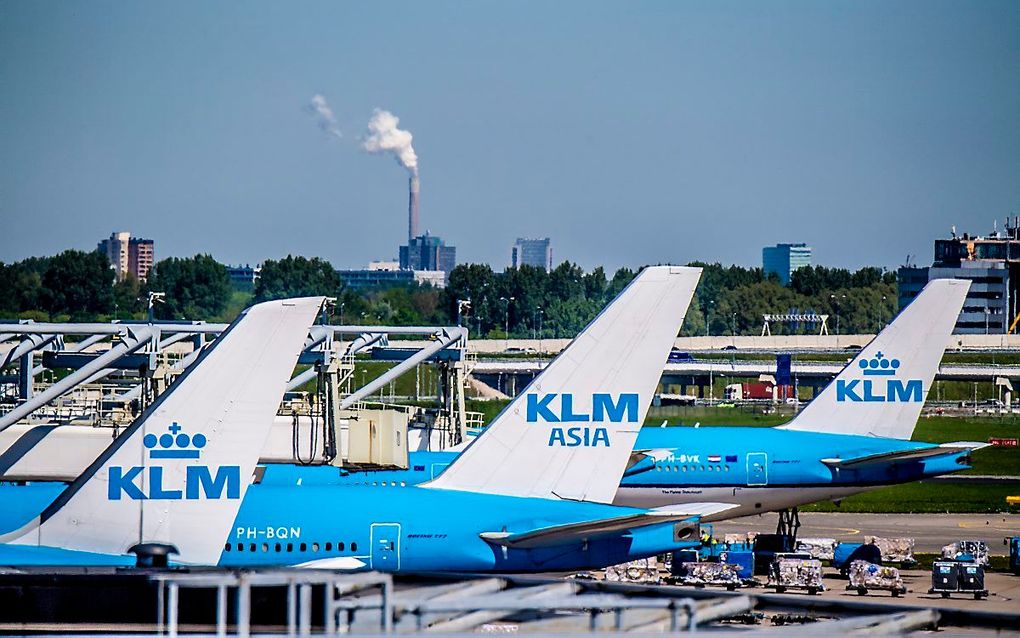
(525, 302)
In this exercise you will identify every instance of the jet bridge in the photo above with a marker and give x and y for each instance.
(96, 377)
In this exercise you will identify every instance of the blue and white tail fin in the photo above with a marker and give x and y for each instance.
(882, 391)
(570, 433)
(179, 472)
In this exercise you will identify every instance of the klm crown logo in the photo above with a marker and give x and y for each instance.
(880, 366)
(173, 445)
(872, 390)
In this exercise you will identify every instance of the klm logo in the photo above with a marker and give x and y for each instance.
(199, 481)
(546, 409)
(880, 384)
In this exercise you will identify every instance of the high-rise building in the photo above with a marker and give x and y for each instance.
(531, 252)
(991, 263)
(428, 252)
(783, 259)
(128, 254)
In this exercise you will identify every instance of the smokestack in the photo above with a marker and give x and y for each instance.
(412, 208)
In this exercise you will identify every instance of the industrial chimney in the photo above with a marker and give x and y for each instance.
(412, 208)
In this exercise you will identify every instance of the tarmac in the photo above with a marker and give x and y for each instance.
(931, 532)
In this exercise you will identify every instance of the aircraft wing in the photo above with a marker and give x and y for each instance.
(597, 528)
(905, 455)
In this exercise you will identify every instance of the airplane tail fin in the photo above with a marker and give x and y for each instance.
(180, 470)
(881, 392)
(570, 433)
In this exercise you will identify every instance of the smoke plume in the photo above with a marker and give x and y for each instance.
(324, 115)
(385, 137)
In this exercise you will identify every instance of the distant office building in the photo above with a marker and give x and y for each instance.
(428, 252)
(991, 263)
(243, 277)
(531, 252)
(379, 274)
(128, 254)
(783, 259)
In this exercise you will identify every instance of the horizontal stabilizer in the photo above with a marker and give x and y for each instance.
(598, 528)
(905, 455)
(644, 460)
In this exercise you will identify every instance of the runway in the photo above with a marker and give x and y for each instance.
(930, 531)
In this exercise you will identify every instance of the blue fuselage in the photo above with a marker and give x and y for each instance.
(299, 514)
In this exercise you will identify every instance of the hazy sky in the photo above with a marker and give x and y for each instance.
(629, 132)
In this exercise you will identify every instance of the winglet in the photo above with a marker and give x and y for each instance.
(179, 472)
(881, 392)
(570, 433)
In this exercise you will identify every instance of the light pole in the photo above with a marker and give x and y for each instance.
(506, 315)
(708, 318)
(836, 304)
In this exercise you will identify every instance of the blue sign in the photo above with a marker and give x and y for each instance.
(546, 409)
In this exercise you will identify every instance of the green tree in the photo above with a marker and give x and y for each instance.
(296, 277)
(78, 284)
(127, 302)
(196, 288)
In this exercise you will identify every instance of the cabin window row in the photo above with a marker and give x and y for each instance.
(693, 468)
(288, 547)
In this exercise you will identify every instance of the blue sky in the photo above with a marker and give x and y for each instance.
(629, 132)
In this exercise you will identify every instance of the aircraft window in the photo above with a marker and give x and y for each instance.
(315, 547)
(304, 547)
(702, 468)
(374, 484)
(403, 484)
(278, 548)
(340, 546)
(667, 468)
(329, 547)
(251, 548)
(683, 468)
(354, 547)
(240, 547)
(658, 468)
(227, 547)
(290, 547)
(726, 468)
(393, 483)
(265, 547)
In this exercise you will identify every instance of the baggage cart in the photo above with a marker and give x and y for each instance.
(820, 548)
(945, 577)
(968, 550)
(894, 550)
(796, 572)
(744, 560)
(704, 574)
(865, 576)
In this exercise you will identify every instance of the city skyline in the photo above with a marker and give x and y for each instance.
(632, 133)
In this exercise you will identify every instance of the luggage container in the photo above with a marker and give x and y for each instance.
(1014, 554)
(865, 576)
(766, 547)
(796, 571)
(743, 559)
(972, 580)
(679, 557)
(945, 577)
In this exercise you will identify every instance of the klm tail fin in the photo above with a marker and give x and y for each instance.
(570, 433)
(179, 472)
(882, 391)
